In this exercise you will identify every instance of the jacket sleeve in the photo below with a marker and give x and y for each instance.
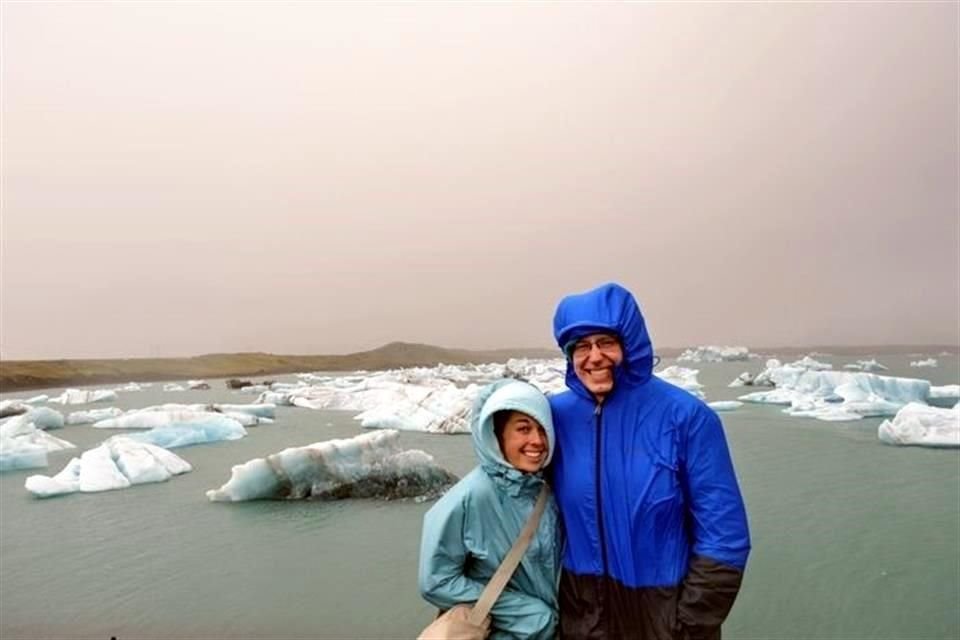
(717, 522)
(444, 583)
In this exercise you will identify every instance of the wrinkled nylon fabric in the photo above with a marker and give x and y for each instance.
(469, 531)
(651, 469)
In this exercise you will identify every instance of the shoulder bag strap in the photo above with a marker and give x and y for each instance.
(504, 572)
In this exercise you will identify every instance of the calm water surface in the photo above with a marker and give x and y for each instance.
(852, 538)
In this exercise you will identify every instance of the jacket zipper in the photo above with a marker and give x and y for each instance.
(598, 414)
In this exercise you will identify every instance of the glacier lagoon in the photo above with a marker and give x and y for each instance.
(852, 538)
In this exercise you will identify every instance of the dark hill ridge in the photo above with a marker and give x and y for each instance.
(36, 374)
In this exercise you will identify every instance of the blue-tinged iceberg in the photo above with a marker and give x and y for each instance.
(185, 434)
(42, 417)
(24, 446)
(922, 425)
(118, 463)
(865, 365)
(369, 465)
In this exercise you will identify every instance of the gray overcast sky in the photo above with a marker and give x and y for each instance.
(184, 178)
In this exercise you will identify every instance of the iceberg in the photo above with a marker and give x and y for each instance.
(42, 417)
(150, 419)
(368, 465)
(93, 415)
(130, 386)
(173, 386)
(682, 377)
(929, 362)
(865, 365)
(85, 396)
(922, 425)
(118, 463)
(725, 405)
(13, 407)
(23, 445)
(185, 434)
(713, 353)
(197, 385)
(838, 395)
(38, 399)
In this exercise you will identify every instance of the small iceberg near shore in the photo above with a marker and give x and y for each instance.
(118, 463)
(369, 465)
(85, 396)
(725, 405)
(922, 425)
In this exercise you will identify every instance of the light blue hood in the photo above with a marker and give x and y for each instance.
(508, 395)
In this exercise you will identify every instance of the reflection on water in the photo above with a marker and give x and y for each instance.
(852, 538)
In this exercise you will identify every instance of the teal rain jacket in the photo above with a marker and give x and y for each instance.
(470, 530)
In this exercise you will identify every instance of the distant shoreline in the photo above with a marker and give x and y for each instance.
(18, 375)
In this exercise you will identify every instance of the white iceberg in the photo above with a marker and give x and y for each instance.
(745, 379)
(173, 386)
(922, 425)
(118, 463)
(838, 395)
(682, 377)
(130, 386)
(929, 362)
(369, 465)
(38, 399)
(93, 415)
(808, 363)
(150, 419)
(197, 385)
(713, 353)
(85, 396)
(725, 405)
(13, 407)
(865, 365)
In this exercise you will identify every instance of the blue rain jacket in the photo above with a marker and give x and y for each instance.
(645, 485)
(470, 530)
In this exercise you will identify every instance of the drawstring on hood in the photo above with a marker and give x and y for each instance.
(509, 395)
(609, 308)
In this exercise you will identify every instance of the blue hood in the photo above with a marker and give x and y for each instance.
(608, 308)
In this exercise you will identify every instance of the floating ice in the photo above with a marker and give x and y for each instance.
(806, 362)
(922, 425)
(682, 377)
(42, 417)
(369, 465)
(745, 379)
(130, 386)
(93, 415)
(865, 365)
(837, 395)
(13, 407)
(118, 463)
(197, 384)
(929, 362)
(713, 353)
(173, 386)
(185, 434)
(23, 445)
(85, 396)
(725, 405)
(38, 399)
(153, 419)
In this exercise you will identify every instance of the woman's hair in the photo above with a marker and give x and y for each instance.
(500, 422)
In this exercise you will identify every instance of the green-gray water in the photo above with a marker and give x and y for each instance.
(851, 538)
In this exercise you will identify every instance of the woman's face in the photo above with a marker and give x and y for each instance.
(524, 442)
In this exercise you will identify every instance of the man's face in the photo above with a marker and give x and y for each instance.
(594, 358)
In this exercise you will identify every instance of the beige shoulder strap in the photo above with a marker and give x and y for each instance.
(504, 572)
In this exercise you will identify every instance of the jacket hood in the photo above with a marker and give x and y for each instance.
(512, 395)
(609, 308)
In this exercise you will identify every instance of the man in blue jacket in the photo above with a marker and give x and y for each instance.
(657, 536)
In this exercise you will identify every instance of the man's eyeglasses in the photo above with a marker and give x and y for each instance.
(606, 345)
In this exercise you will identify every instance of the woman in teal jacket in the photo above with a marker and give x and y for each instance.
(470, 530)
